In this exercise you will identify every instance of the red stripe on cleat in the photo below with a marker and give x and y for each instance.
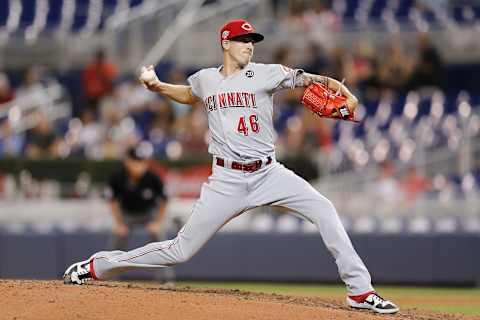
(360, 298)
(92, 272)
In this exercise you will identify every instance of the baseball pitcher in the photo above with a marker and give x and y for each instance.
(238, 100)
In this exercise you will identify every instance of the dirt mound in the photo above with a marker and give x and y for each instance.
(24, 299)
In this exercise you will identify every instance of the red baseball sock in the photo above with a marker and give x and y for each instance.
(361, 297)
(92, 272)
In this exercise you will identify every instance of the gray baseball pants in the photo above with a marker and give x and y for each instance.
(227, 194)
(134, 220)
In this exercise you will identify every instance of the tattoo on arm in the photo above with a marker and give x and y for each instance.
(304, 79)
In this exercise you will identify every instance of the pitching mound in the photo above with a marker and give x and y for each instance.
(137, 301)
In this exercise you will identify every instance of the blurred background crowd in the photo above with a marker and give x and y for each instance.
(115, 111)
(410, 63)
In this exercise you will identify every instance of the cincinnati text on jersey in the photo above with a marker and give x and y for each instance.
(230, 100)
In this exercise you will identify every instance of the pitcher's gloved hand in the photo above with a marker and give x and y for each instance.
(326, 104)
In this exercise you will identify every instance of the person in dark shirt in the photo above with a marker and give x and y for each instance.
(41, 141)
(136, 198)
(428, 70)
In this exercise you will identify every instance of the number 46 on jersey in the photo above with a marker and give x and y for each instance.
(250, 124)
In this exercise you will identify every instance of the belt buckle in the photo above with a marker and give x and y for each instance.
(236, 166)
(252, 166)
(249, 167)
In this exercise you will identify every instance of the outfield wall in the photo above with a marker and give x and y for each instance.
(451, 259)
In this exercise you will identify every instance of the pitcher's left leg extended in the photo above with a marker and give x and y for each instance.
(221, 199)
(281, 187)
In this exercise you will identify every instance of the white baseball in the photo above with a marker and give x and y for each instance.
(148, 75)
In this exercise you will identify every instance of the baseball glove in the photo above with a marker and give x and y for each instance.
(326, 104)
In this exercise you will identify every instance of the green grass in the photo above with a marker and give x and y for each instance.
(438, 299)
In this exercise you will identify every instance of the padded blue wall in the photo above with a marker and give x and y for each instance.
(410, 259)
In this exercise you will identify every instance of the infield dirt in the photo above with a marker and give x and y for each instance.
(25, 299)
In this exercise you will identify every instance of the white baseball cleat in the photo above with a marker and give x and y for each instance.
(372, 301)
(80, 272)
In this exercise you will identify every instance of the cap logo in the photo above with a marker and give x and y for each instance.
(247, 26)
(225, 34)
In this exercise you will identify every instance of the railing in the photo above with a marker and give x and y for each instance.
(131, 34)
(151, 30)
(355, 192)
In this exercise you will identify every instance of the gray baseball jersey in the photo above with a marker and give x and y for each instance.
(240, 108)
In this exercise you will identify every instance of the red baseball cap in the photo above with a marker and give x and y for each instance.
(239, 27)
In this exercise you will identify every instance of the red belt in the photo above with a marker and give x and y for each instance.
(248, 167)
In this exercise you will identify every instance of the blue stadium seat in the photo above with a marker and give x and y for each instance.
(134, 3)
(377, 9)
(429, 16)
(424, 107)
(476, 175)
(404, 10)
(109, 7)
(465, 13)
(110, 3)
(4, 9)
(81, 14)
(54, 15)
(352, 6)
(28, 13)
(476, 11)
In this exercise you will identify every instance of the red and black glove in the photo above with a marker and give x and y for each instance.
(326, 104)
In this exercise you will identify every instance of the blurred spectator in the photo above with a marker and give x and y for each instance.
(276, 7)
(31, 82)
(318, 15)
(428, 67)
(386, 186)
(396, 69)
(137, 198)
(294, 136)
(341, 65)
(90, 134)
(318, 133)
(116, 99)
(295, 20)
(283, 55)
(177, 76)
(286, 106)
(120, 133)
(142, 107)
(316, 60)
(294, 149)
(193, 134)
(160, 131)
(41, 141)
(85, 135)
(11, 143)
(414, 184)
(430, 7)
(306, 15)
(98, 79)
(386, 191)
(365, 70)
(369, 83)
(6, 92)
